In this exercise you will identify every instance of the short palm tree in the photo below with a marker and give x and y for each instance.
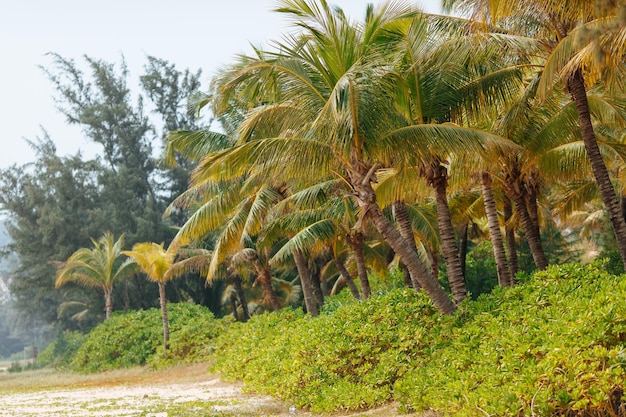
(99, 267)
(160, 266)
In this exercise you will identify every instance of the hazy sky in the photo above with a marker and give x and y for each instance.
(189, 33)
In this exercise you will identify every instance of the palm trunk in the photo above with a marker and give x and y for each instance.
(233, 305)
(417, 268)
(108, 303)
(347, 278)
(408, 281)
(434, 263)
(242, 298)
(448, 241)
(576, 86)
(357, 243)
(318, 292)
(305, 279)
(361, 176)
(534, 238)
(401, 214)
(265, 281)
(463, 247)
(166, 327)
(502, 266)
(510, 239)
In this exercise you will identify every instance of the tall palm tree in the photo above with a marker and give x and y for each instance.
(98, 267)
(585, 45)
(335, 113)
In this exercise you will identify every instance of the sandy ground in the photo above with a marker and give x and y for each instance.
(184, 391)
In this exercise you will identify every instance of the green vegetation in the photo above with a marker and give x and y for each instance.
(552, 345)
(133, 338)
(346, 149)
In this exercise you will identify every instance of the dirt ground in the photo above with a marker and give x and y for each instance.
(177, 392)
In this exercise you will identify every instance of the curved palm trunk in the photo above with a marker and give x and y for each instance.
(360, 177)
(242, 298)
(533, 237)
(401, 214)
(412, 261)
(502, 266)
(108, 303)
(305, 279)
(347, 278)
(448, 241)
(357, 243)
(576, 86)
(510, 239)
(264, 278)
(166, 326)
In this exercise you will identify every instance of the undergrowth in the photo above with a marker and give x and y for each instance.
(136, 338)
(553, 345)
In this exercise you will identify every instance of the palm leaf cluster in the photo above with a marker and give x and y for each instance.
(349, 146)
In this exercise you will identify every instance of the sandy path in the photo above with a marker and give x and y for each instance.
(142, 400)
(184, 391)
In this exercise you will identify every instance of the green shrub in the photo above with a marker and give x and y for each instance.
(60, 352)
(136, 337)
(554, 345)
(15, 367)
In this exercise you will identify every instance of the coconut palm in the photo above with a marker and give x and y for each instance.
(585, 45)
(160, 266)
(335, 113)
(99, 267)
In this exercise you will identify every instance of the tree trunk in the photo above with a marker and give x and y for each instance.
(434, 263)
(408, 281)
(233, 305)
(502, 266)
(356, 240)
(510, 239)
(417, 268)
(347, 278)
(576, 85)
(361, 176)
(307, 289)
(166, 326)
(318, 292)
(401, 214)
(463, 247)
(108, 303)
(265, 281)
(534, 239)
(242, 298)
(448, 241)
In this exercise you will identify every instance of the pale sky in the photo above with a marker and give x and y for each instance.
(189, 33)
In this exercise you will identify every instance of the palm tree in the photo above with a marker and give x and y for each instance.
(159, 266)
(585, 46)
(98, 267)
(335, 113)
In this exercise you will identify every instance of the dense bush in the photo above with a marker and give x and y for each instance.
(554, 345)
(135, 338)
(60, 352)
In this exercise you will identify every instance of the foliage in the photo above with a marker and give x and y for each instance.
(133, 338)
(480, 269)
(555, 344)
(60, 352)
